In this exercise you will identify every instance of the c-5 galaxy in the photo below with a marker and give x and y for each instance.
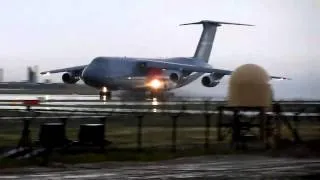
(152, 75)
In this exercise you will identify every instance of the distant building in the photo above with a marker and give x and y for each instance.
(1, 75)
(32, 74)
(36, 74)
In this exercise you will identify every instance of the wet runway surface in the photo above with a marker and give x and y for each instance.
(210, 167)
(85, 104)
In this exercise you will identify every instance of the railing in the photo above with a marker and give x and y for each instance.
(174, 125)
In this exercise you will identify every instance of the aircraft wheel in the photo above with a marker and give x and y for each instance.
(105, 95)
(157, 95)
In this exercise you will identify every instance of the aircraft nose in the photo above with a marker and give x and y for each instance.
(87, 74)
(92, 76)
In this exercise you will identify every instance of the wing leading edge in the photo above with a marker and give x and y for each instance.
(195, 68)
(70, 69)
(163, 65)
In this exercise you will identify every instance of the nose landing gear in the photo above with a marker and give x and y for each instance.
(156, 94)
(105, 94)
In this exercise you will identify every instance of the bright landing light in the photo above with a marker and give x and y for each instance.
(155, 84)
(104, 89)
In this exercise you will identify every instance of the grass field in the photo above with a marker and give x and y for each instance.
(156, 130)
(121, 130)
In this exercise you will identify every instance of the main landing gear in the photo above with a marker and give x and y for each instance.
(105, 94)
(159, 95)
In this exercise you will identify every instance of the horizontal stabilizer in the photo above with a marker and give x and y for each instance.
(205, 43)
(217, 23)
(280, 78)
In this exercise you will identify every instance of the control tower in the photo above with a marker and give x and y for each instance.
(33, 74)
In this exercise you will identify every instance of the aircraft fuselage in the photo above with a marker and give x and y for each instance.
(123, 73)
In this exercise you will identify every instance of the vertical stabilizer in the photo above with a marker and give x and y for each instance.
(205, 43)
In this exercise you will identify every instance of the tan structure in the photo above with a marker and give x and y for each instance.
(249, 86)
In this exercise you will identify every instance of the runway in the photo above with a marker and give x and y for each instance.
(209, 167)
(88, 104)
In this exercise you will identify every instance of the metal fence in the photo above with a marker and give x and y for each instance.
(171, 125)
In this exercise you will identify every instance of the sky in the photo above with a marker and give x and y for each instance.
(57, 33)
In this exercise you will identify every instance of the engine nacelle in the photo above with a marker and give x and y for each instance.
(212, 80)
(175, 76)
(70, 78)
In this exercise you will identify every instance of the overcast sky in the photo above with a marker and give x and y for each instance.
(58, 33)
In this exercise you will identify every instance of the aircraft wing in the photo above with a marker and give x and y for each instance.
(280, 78)
(70, 69)
(194, 68)
(181, 67)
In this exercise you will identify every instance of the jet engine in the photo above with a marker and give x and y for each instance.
(70, 78)
(212, 80)
(175, 76)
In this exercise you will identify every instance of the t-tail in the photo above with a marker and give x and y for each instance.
(204, 47)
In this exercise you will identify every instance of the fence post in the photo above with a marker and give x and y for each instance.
(174, 133)
(207, 131)
(236, 134)
(268, 132)
(219, 121)
(277, 120)
(262, 125)
(139, 133)
(294, 130)
(206, 104)
(103, 121)
(25, 140)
